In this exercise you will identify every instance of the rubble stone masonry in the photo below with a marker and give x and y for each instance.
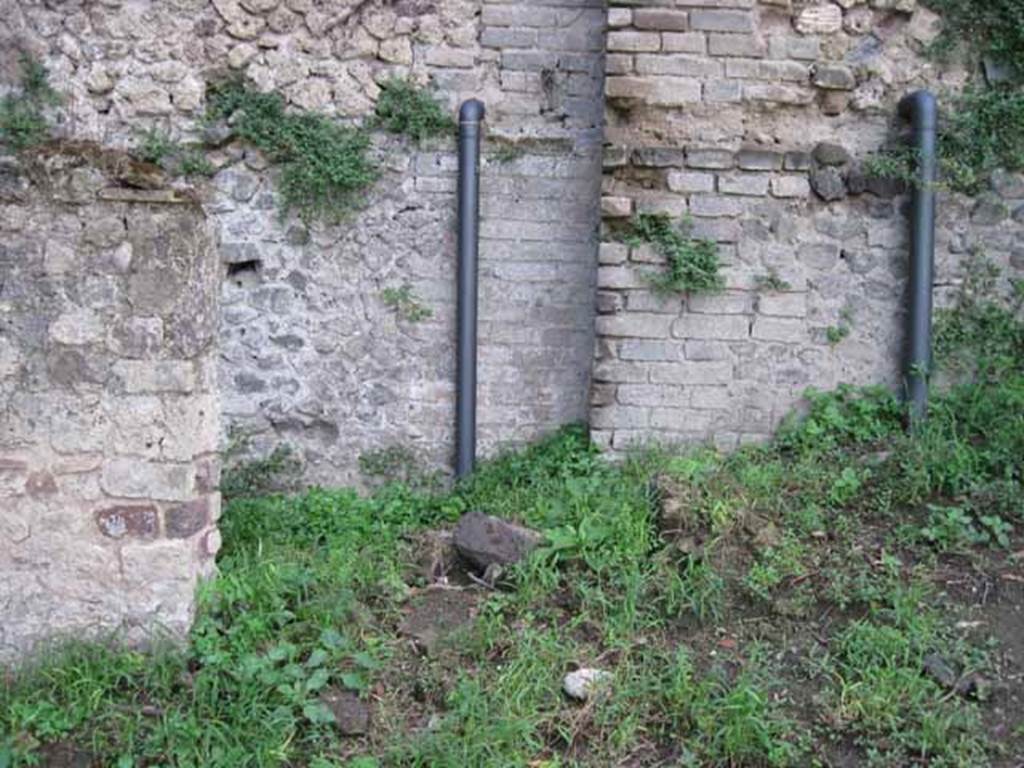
(310, 354)
(109, 422)
(107, 414)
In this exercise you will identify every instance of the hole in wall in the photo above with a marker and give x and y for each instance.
(241, 267)
(242, 272)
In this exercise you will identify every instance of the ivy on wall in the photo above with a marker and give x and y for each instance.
(981, 129)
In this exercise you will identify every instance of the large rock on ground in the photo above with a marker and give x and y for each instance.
(351, 714)
(484, 540)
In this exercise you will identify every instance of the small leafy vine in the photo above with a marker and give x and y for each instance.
(404, 108)
(157, 147)
(993, 29)
(406, 304)
(691, 264)
(325, 164)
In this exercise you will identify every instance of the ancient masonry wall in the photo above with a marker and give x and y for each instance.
(310, 354)
(752, 118)
(108, 410)
(133, 313)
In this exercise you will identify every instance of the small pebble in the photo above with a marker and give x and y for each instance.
(583, 683)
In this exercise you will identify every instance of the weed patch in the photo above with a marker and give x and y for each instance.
(325, 166)
(155, 146)
(980, 129)
(277, 472)
(992, 29)
(406, 304)
(692, 264)
(23, 120)
(404, 108)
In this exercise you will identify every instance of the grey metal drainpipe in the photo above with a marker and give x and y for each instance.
(471, 113)
(920, 108)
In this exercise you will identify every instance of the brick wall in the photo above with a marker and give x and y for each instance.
(109, 418)
(753, 119)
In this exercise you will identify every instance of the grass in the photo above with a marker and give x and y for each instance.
(774, 606)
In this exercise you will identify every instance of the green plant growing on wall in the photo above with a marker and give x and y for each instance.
(157, 147)
(981, 335)
(897, 163)
(280, 470)
(836, 333)
(23, 121)
(404, 108)
(325, 166)
(978, 134)
(691, 264)
(154, 146)
(981, 129)
(993, 29)
(772, 282)
(405, 303)
(192, 162)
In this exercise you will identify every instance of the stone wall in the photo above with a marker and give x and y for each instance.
(311, 356)
(752, 118)
(109, 416)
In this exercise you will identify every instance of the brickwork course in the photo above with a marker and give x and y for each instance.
(147, 322)
(753, 119)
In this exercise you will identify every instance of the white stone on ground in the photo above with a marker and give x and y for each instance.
(583, 683)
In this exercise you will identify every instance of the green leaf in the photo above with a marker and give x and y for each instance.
(318, 679)
(317, 712)
(563, 537)
(281, 652)
(353, 681)
(366, 661)
(317, 658)
(331, 638)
